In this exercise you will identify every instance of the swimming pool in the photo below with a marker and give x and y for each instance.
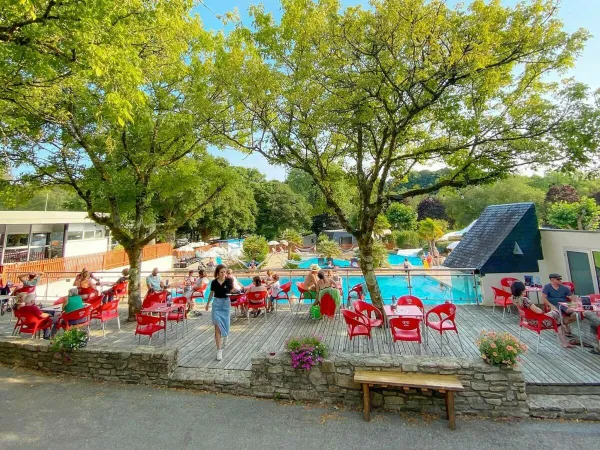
(394, 260)
(398, 260)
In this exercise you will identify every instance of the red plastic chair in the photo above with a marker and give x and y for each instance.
(106, 312)
(303, 292)
(358, 290)
(594, 298)
(284, 294)
(327, 305)
(87, 292)
(356, 325)
(148, 325)
(446, 313)
(570, 285)
(507, 282)
(411, 300)
(535, 322)
(406, 329)
(256, 300)
(237, 301)
(30, 324)
(502, 298)
(181, 314)
(120, 290)
(199, 291)
(154, 297)
(78, 314)
(371, 312)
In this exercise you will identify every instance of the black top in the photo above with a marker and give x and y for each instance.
(221, 290)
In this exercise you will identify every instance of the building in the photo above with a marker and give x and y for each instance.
(37, 235)
(342, 237)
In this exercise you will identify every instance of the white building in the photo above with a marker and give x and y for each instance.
(37, 235)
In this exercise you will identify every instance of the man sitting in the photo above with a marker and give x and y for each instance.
(554, 293)
(153, 281)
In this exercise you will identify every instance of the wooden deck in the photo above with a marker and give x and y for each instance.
(552, 366)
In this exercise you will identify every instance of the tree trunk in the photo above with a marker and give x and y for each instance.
(135, 293)
(365, 251)
(205, 233)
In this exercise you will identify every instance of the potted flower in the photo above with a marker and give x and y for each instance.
(306, 351)
(500, 349)
(68, 341)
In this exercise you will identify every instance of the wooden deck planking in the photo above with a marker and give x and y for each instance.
(553, 365)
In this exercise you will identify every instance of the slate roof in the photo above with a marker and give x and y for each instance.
(489, 244)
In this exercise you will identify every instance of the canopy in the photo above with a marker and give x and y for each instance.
(283, 241)
(454, 235)
(210, 254)
(273, 243)
(185, 248)
(409, 252)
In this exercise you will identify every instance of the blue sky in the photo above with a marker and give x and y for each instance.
(575, 14)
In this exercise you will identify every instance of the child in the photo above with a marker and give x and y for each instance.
(275, 290)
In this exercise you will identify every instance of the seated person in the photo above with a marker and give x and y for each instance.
(325, 284)
(154, 282)
(310, 282)
(188, 283)
(237, 286)
(34, 310)
(269, 278)
(275, 290)
(517, 289)
(256, 286)
(211, 263)
(109, 294)
(85, 279)
(554, 293)
(30, 279)
(73, 302)
(202, 280)
(334, 278)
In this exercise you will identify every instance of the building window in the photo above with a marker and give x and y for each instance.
(74, 235)
(17, 240)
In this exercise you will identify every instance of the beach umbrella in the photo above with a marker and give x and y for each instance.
(284, 242)
(210, 254)
(185, 248)
(273, 243)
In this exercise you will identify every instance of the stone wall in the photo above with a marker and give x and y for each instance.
(138, 365)
(489, 390)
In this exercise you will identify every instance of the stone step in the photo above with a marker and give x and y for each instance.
(583, 407)
(562, 389)
(235, 382)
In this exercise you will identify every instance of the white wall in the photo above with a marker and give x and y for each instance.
(86, 247)
(61, 288)
(493, 279)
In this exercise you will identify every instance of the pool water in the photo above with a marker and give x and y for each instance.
(394, 260)
(398, 260)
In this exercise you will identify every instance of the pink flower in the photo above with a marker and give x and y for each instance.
(509, 348)
(493, 345)
(495, 354)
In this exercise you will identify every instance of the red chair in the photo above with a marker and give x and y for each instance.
(237, 301)
(77, 315)
(535, 322)
(327, 305)
(502, 298)
(446, 313)
(371, 312)
(154, 297)
(25, 289)
(106, 312)
(570, 285)
(594, 298)
(284, 294)
(303, 295)
(411, 300)
(179, 315)
(87, 292)
(198, 292)
(120, 290)
(507, 282)
(30, 324)
(356, 325)
(256, 300)
(406, 329)
(148, 325)
(358, 290)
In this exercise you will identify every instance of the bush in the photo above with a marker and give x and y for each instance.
(500, 349)
(407, 239)
(306, 351)
(256, 248)
(296, 257)
(68, 341)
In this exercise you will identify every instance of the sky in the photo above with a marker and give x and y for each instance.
(575, 14)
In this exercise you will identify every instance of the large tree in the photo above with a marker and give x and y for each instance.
(367, 94)
(128, 133)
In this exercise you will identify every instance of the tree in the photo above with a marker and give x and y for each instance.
(431, 207)
(128, 134)
(431, 230)
(293, 238)
(380, 255)
(256, 248)
(365, 95)
(381, 225)
(325, 221)
(562, 193)
(327, 247)
(407, 239)
(582, 215)
(401, 216)
(468, 204)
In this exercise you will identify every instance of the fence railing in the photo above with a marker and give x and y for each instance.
(95, 262)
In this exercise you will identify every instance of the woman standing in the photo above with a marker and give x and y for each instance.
(219, 288)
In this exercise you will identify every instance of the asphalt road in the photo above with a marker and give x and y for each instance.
(49, 412)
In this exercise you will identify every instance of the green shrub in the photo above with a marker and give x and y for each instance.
(408, 239)
(296, 257)
(306, 351)
(256, 248)
(500, 349)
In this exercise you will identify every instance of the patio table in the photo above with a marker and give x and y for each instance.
(578, 308)
(53, 310)
(403, 311)
(163, 308)
(537, 291)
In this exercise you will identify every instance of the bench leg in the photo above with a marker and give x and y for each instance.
(366, 402)
(450, 409)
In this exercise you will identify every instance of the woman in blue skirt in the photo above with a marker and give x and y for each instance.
(219, 288)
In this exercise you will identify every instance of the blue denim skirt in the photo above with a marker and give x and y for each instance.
(221, 315)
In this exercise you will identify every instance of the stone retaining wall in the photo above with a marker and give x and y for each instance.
(489, 390)
(138, 365)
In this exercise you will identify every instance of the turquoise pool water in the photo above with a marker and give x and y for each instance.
(306, 263)
(398, 260)
(394, 260)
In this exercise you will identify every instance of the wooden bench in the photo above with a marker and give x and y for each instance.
(445, 384)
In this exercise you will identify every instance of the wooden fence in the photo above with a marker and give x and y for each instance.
(94, 262)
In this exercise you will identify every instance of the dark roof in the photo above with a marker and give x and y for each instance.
(489, 245)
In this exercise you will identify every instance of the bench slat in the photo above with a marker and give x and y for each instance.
(414, 380)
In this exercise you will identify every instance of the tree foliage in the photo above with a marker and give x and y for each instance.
(431, 230)
(293, 238)
(365, 95)
(401, 216)
(562, 193)
(407, 239)
(327, 247)
(255, 248)
(431, 207)
(581, 215)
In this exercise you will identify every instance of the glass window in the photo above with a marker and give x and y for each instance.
(88, 234)
(581, 272)
(99, 234)
(73, 235)
(39, 239)
(17, 240)
(38, 253)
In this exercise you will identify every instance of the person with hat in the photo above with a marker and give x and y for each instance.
(554, 293)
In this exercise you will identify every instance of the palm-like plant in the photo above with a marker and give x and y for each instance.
(293, 239)
(431, 230)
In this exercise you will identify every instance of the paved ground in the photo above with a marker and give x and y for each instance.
(49, 412)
